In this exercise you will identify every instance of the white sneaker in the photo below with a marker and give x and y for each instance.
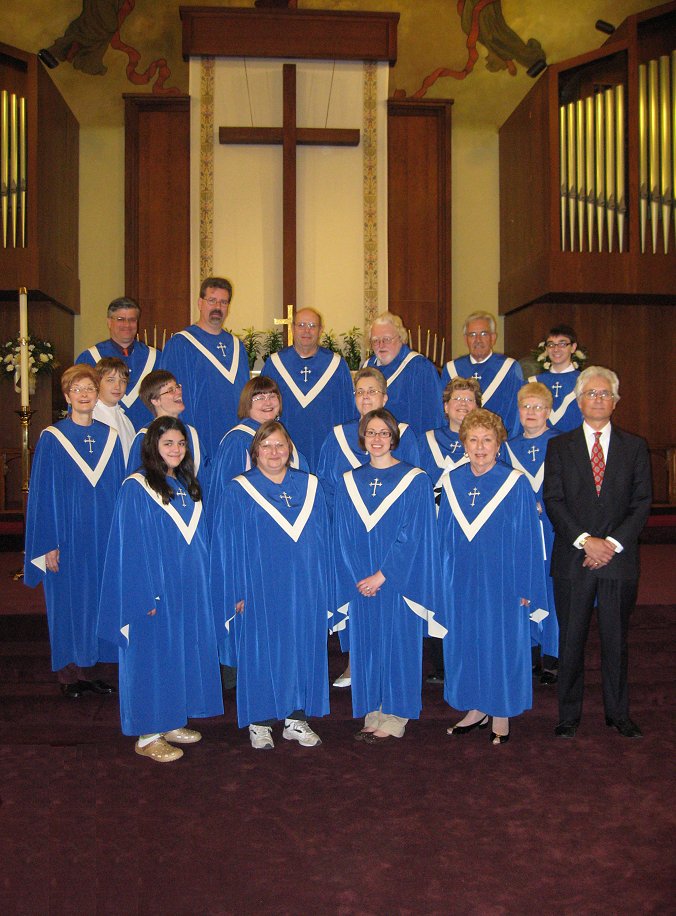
(261, 737)
(297, 730)
(342, 681)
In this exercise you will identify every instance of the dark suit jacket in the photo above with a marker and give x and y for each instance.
(619, 512)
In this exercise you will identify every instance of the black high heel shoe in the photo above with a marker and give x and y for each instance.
(463, 729)
(501, 739)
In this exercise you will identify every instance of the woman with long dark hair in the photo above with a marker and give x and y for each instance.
(155, 598)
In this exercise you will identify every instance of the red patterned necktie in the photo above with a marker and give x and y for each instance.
(598, 462)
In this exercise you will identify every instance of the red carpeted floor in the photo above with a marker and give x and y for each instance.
(427, 824)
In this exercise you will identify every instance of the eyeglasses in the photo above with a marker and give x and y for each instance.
(121, 320)
(310, 325)
(212, 301)
(600, 394)
(474, 334)
(380, 433)
(266, 396)
(82, 389)
(558, 345)
(538, 408)
(273, 446)
(463, 400)
(367, 392)
(172, 390)
(376, 341)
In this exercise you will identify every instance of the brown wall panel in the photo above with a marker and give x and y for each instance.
(632, 340)
(419, 215)
(157, 209)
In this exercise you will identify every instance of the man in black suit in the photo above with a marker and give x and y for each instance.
(597, 492)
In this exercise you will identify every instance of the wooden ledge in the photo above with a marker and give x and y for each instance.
(300, 34)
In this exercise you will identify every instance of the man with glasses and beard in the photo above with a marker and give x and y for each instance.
(211, 364)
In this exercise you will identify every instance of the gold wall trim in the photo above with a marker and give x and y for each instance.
(207, 167)
(370, 164)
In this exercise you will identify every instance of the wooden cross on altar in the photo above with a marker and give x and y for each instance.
(289, 136)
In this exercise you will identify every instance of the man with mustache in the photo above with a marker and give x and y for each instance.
(211, 364)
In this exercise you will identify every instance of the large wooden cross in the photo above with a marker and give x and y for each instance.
(289, 136)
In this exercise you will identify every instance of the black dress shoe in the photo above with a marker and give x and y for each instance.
(625, 727)
(464, 729)
(499, 739)
(566, 729)
(72, 691)
(549, 677)
(361, 736)
(98, 686)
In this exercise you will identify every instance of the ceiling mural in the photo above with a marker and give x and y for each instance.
(87, 38)
(484, 23)
(476, 52)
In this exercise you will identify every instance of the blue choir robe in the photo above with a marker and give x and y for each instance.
(213, 369)
(158, 557)
(271, 549)
(414, 392)
(340, 452)
(528, 456)
(441, 451)
(392, 531)
(566, 414)
(140, 361)
(75, 479)
(233, 458)
(317, 392)
(200, 460)
(500, 378)
(491, 558)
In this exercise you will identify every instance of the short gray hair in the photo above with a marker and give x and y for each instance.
(607, 374)
(395, 321)
(481, 316)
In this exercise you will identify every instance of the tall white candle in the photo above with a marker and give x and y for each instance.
(23, 343)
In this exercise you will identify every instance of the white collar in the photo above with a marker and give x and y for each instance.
(478, 362)
(590, 434)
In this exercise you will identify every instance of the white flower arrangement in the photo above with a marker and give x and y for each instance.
(41, 359)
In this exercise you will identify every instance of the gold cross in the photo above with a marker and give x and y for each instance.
(288, 321)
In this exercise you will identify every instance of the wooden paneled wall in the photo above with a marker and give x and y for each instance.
(419, 214)
(635, 341)
(157, 209)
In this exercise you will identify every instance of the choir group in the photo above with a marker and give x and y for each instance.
(201, 528)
